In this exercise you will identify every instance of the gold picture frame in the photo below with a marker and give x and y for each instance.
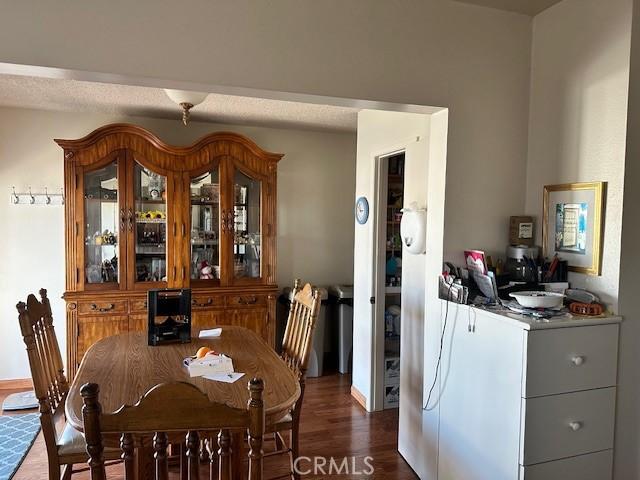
(587, 202)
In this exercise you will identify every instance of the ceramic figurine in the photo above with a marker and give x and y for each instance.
(206, 272)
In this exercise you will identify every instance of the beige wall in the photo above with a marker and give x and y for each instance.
(316, 181)
(381, 133)
(579, 132)
(472, 60)
(627, 441)
(578, 115)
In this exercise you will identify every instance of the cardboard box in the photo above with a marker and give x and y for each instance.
(392, 396)
(521, 231)
(391, 371)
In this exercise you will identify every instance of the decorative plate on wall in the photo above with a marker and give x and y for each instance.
(362, 210)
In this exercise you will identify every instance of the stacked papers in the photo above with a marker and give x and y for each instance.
(224, 377)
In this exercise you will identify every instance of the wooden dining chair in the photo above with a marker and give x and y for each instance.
(67, 448)
(296, 348)
(165, 413)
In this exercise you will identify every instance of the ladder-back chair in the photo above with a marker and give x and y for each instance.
(66, 448)
(169, 411)
(296, 348)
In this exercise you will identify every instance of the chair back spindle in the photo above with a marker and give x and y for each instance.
(301, 323)
(45, 362)
(168, 411)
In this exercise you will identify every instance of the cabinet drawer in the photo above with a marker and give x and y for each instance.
(570, 359)
(102, 307)
(246, 300)
(560, 426)
(138, 304)
(201, 301)
(594, 466)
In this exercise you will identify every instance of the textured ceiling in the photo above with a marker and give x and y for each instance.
(528, 7)
(80, 96)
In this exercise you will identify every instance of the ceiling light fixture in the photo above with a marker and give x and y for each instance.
(187, 100)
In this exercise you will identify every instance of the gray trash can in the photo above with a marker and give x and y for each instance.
(342, 299)
(316, 357)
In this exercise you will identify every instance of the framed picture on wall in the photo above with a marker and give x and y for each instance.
(573, 224)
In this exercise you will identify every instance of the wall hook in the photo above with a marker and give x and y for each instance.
(15, 197)
(46, 196)
(32, 199)
(62, 196)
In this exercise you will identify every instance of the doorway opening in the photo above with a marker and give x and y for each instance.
(388, 313)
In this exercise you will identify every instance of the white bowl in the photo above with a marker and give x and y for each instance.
(538, 299)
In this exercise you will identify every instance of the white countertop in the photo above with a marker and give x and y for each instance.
(529, 323)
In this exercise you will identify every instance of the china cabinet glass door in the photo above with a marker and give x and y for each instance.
(246, 226)
(147, 225)
(102, 222)
(204, 193)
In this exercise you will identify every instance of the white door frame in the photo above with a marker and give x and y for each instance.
(380, 156)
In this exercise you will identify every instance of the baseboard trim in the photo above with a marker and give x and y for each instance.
(359, 397)
(16, 383)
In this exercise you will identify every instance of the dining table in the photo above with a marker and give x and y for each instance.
(125, 367)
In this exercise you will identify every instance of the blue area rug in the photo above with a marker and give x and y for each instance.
(17, 433)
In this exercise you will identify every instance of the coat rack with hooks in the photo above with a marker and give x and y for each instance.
(31, 198)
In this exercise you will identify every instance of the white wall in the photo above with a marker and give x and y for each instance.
(627, 440)
(315, 228)
(472, 60)
(418, 432)
(380, 133)
(578, 115)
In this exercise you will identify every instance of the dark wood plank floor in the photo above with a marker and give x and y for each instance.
(333, 425)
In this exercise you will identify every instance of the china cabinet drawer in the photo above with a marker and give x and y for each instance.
(594, 466)
(206, 301)
(138, 304)
(102, 307)
(560, 426)
(246, 300)
(570, 359)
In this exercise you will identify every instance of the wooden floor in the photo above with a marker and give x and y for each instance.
(332, 425)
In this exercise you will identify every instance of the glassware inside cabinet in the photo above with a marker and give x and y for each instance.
(102, 225)
(247, 238)
(205, 226)
(150, 222)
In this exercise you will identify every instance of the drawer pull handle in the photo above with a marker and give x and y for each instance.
(248, 301)
(577, 360)
(203, 304)
(575, 426)
(94, 307)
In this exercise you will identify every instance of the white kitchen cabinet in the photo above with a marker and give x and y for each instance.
(518, 399)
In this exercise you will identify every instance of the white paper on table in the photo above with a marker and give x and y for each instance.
(210, 364)
(224, 377)
(213, 333)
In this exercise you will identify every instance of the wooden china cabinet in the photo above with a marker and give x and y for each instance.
(141, 214)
